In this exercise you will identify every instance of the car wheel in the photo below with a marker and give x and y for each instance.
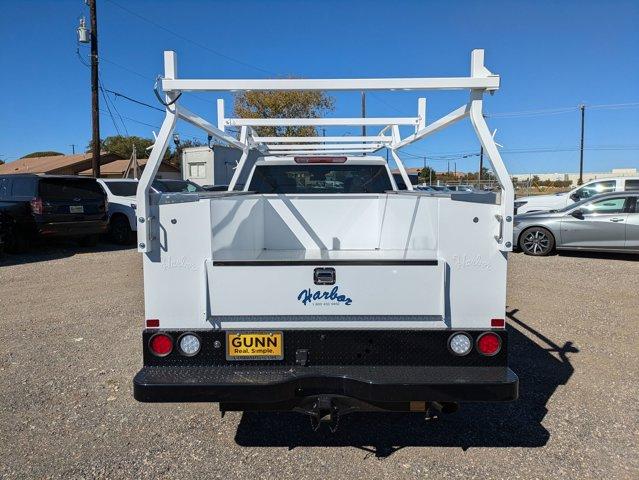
(537, 241)
(89, 240)
(120, 231)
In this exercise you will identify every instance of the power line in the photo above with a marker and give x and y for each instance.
(558, 111)
(108, 100)
(524, 150)
(139, 102)
(108, 107)
(615, 106)
(186, 39)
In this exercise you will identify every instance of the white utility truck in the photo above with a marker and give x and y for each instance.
(320, 287)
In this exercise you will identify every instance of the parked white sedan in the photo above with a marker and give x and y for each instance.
(122, 204)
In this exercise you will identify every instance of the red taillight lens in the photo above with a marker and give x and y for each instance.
(497, 323)
(36, 206)
(161, 344)
(320, 159)
(153, 323)
(489, 343)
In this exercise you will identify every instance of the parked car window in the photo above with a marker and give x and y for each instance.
(122, 189)
(70, 188)
(632, 185)
(176, 186)
(399, 180)
(596, 188)
(320, 179)
(23, 187)
(608, 205)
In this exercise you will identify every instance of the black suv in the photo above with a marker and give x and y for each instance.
(51, 205)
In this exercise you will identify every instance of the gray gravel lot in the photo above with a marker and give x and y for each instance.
(70, 322)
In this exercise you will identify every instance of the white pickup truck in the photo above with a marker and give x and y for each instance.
(320, 287)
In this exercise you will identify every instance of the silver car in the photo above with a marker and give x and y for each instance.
(606, 222)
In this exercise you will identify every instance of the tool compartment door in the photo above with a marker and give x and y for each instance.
(359, 288)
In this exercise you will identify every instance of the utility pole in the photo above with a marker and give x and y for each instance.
(72, 145)
(581, 150)
(363, 112)
(481, 160)
(481, 164)
(95, 106)
(424, 170)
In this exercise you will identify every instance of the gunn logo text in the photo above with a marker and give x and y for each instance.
(318, 297)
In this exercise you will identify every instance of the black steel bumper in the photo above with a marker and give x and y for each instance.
(272, 384)
(72, 229)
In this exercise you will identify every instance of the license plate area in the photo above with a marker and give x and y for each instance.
(76, 209)
(254, 346)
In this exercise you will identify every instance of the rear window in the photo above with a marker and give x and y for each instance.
(320, 179)
(122, 189)
(23, 187)
(70, 188)
(632, 184)
(399, 180)
(176, 186)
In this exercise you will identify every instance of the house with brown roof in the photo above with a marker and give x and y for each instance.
(117, 168)
(111, 166)
(57, 164)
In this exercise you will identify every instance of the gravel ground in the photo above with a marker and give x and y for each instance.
(70, 333)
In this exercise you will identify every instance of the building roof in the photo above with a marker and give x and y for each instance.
(118, 167)
(49, 164)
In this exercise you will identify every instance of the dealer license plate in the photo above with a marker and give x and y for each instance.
(255, 346)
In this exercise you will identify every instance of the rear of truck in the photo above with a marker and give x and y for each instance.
(321, 287)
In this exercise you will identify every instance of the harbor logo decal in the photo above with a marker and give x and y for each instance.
(334, 297)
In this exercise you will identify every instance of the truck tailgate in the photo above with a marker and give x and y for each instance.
(398, 287)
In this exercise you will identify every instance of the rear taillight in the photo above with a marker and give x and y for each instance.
(497, 323)
(161, 344)
(320, 159)
(37, 207)
(489, 343)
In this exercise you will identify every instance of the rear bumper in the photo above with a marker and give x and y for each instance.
(273, 384)
(70, 229)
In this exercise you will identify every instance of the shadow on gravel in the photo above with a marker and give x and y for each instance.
(54, 250)
(541, 365)
(599, 255)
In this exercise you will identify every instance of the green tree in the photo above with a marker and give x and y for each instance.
(123, 146)
(42, 154)
(426, 174)
(283, 104)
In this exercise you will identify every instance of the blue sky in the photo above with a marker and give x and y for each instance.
(550, 55)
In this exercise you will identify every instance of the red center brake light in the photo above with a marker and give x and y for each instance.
(320, 159)
(36, 206)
